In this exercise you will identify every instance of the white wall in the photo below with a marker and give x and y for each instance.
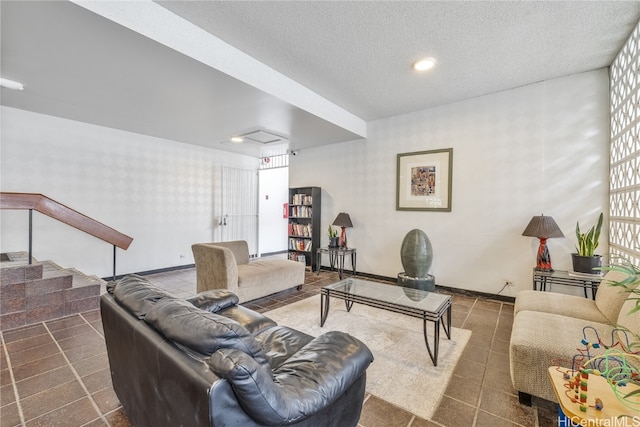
(160, 192)
(541, 148)
(274, 192)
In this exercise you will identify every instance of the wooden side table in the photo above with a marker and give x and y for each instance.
(597, 387)
(336, 258)
(560, 277)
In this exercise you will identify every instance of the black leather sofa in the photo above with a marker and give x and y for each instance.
(208, 361)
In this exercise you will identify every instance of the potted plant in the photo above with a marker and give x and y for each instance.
(585, 259)
(333, 237)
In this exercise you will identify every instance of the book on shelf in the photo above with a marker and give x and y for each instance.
(300, 244)
(302, 199)
(301, 211)
(296, 256)
(301, 230)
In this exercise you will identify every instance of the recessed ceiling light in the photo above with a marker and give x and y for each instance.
(424, 64)
(237, 139)
(10, 84)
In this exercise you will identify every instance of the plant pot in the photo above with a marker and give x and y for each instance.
(333, 242)
(586, 264)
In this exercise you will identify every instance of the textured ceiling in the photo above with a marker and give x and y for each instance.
(354, 56)
(359, 54)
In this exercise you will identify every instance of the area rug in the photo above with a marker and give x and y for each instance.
(402, 372)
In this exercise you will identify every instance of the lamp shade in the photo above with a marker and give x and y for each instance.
(342, 220)
(542, 227)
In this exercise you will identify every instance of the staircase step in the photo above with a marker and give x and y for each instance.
(43, 291)
(48, 285)
(14, 258)
(19, 274)
(50, 267)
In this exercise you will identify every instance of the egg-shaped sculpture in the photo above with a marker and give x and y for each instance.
(416, 254)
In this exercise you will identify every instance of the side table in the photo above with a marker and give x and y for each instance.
(336, 258)
(560, 277)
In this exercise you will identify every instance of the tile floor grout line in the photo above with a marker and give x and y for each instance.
(56, 408)
(484, 373)
(88, 423)
(13, 381)
(91, 326)
(75, 373)
(468, 314)
(517, 424)
(493, 338)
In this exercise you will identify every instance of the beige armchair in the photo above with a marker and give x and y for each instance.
(548, 328)
(226, 265)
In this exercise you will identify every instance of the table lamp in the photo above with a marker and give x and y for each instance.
(343, 221)
(543, 227)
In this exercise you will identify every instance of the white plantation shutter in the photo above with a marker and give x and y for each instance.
(240, 207)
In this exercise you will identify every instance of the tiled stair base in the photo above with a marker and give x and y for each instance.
(42, 291)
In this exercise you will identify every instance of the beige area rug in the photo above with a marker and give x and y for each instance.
(402, 372)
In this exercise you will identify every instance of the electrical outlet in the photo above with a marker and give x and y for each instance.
(508, 283)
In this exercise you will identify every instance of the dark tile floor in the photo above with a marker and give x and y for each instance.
(56, 373)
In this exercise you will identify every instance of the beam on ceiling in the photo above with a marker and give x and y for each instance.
(159, 24)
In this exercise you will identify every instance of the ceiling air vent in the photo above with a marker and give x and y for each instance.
(263, 137)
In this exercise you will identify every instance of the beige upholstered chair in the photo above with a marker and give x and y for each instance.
(226, 265)
(548, 328)
(604, 309)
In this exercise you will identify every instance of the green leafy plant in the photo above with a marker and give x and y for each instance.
(631, 284)
(588, 242)
(332, 233)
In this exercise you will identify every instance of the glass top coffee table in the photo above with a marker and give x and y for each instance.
(428, 306)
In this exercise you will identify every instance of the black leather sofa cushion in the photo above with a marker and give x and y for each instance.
(137, 295)
(280, 342)
(214, 300)
(314, 377)
(225, 303)
(252, 320)
(201, 331)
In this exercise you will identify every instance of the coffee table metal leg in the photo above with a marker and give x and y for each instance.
(432, 354)
(340, 265)
(436, 341)
(348, 303)
(353, 262)
(447, 325)
(324, 308)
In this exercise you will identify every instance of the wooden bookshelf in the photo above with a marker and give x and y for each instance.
(304, 224)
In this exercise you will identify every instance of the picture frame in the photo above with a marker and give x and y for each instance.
(423, 180)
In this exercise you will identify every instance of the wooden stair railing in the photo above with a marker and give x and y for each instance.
(62, 213)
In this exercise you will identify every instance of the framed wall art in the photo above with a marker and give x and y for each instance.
(423, 181)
